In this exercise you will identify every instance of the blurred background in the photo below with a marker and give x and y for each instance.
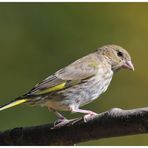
(37, 39)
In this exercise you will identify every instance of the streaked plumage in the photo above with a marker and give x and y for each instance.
(79, 83)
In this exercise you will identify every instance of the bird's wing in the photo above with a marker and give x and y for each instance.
(80, 69)
(51, 83)
(68, 76)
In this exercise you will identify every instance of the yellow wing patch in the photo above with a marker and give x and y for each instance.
(17, 102)
(55, 88)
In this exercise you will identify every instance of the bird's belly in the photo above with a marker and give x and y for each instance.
(79, 95)
(91, 90)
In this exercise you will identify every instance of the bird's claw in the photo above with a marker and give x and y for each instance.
(89, 116)
(60, 122)
(63, 121)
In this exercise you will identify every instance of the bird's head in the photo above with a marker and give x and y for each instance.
(117, 57)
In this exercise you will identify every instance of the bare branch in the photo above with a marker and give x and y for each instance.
(113, 123)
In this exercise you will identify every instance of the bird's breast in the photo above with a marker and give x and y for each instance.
(97, 85)
(83, 93)
(89, 89)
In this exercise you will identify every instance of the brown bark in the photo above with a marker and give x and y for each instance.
(113, 123)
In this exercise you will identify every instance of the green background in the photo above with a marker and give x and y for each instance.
(36, 39)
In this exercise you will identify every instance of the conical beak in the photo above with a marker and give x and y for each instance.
(129, 65)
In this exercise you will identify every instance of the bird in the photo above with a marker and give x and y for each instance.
(77, 84)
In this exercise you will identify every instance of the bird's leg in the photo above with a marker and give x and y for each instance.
(61, 119)
(58, 115)
(89, 114)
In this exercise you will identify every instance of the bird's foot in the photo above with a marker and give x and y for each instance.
(60, 122)
(89, 116)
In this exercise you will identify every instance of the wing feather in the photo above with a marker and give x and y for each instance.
(80, 69)
(72, 74)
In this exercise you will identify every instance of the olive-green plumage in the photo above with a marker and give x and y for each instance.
(78, 83)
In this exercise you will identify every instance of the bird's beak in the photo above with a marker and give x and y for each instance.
(129, 65)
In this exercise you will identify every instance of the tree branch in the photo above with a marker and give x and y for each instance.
(113, 123)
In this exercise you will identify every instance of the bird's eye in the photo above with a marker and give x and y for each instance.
(120, 54)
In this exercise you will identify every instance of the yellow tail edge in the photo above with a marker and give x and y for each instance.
(12, 104)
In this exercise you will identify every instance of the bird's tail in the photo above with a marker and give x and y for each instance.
(13, 103)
